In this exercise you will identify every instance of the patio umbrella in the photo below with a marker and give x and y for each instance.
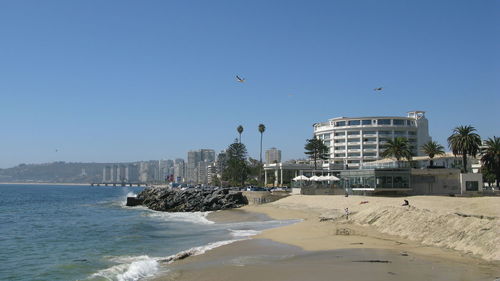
(323, 178)
(301, 178)
(315, 178)
(332, 178)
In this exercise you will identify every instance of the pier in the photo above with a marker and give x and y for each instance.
(118, 184)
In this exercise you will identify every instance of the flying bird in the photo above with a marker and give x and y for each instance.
(378, 89)
(239, 79)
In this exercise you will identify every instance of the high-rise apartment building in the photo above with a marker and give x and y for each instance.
(192, 167)
(273, 155)
(179, 170)
(353, 141)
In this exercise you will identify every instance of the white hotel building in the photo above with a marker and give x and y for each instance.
(354, 141)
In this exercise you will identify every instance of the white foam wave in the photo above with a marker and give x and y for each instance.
(131, 269)
(124, 199)
(131, 194)
(193, 217)
(244, 232)
(196, 251)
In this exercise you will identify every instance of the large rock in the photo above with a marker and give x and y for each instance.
(190, 200)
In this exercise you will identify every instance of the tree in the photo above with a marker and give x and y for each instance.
(464, 142)
(491, 157)
(236, 171)
(316, 149)
(398, 148)
(239, 129)
(432, 148)
(488, 176)
(262, 129)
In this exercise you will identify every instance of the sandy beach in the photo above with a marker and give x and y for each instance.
(435, 238)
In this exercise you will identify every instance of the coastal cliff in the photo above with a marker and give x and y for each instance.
(190, 200)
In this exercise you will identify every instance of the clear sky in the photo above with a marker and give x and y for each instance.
(110, 81)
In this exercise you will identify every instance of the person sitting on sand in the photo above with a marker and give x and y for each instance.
(346, 213)
(363, 202)
(406, 203)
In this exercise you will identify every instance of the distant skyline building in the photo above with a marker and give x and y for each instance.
(353, 141)
(195, 172)
(273, 155)
(179, 170)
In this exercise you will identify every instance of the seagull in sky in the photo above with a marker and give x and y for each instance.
(239, 79)
(378, 89)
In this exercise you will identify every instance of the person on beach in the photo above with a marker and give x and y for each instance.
(406, 203)
(346, 213)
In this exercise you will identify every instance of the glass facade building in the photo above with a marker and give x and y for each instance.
(376, 179)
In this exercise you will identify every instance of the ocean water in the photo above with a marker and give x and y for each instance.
(50, 232)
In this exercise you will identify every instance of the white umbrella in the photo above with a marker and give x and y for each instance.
(315, 178)
(322, 178)
(332, 178)
(301, 178)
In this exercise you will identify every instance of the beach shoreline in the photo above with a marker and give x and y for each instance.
(325, 233)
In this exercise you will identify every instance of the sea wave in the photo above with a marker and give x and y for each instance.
(192, 217)
(133, 268)
(244, 232)
(129, 269)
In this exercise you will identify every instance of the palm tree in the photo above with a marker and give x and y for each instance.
(464, 142)
(240, 130)
(262, 129)
(398, 148)
(432, 148)
(491, 157)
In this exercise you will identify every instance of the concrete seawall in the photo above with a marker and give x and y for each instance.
(261, 197)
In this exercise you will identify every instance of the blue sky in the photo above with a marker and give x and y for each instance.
(109, 81)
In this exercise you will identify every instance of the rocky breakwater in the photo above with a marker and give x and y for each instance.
(190, 200)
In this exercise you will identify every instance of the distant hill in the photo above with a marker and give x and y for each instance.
(54, 172)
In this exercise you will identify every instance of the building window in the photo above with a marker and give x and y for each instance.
(353, 133)
(370, 139)
(398, 122)
(339, 148)
(369, 154)
(327, 143)
(339, 154)
(399, 133)
(369, 146)
(353, 147)
(471, 186)
(384, 182)
(353, 154)
(353, 140)
(352, 161)
(340, 124)
(384, 121)
(340, 133)
(369, 132)
(354, 122)
(366, 122)
(340, 141)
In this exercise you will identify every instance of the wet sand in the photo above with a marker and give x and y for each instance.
(332, 249)
(261, 259)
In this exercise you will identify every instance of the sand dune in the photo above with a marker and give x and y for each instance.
(468, 225)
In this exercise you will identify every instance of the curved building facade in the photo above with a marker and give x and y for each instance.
(353, 141)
